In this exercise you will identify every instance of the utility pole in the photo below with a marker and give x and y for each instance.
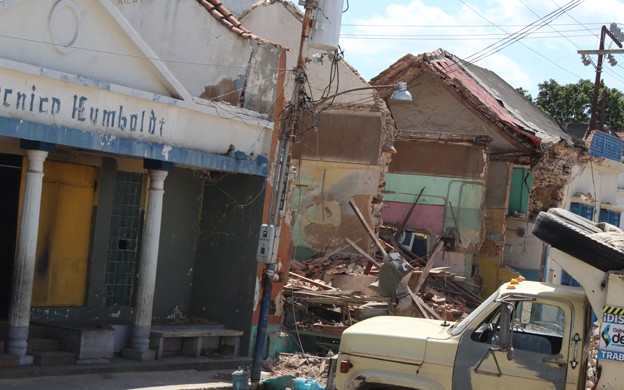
(282, 163)
(601, 52)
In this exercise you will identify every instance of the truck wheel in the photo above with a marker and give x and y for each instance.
(573, 237)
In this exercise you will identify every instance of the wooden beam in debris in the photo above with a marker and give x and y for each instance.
(343, 300)
(340, 249)
(465, 293)
(312, 282)
(438, 245)
(368, 229)
(409, 214)
(417, 303)
(428, 308)
(362, 252)
(328, 293)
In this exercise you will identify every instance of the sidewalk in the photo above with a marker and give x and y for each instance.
(159, 380)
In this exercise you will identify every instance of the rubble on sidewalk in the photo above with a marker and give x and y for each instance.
(299, 365)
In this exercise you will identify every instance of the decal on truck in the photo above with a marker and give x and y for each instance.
(612, 334)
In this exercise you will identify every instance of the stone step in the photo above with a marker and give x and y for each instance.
(54, 358)
(37, 331)
(7, 360)
(40, 345)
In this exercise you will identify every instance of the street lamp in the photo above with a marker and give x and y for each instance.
(400, 92)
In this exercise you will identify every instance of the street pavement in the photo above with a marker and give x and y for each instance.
(167, 380)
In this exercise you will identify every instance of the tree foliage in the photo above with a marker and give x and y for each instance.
(525, 93)
(572, 103)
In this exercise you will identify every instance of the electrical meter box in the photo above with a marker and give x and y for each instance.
(268, 244)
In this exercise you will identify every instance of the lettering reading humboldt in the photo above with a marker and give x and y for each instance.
(144, 121)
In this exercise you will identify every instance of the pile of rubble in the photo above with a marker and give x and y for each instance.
(395, 281)
(298, 365)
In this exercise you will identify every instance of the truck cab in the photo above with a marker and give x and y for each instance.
(526, 335)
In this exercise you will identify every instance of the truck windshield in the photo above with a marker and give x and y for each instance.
(462, 324)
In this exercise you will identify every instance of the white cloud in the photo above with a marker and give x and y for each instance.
(516, 64)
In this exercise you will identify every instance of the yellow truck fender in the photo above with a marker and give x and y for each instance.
(371, 376)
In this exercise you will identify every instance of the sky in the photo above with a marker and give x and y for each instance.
(375, 34)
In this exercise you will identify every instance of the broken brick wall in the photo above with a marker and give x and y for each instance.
(552, 175)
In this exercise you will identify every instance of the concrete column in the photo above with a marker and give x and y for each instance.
(142, 321)
(19, 313)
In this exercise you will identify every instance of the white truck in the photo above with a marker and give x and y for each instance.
(527, 335)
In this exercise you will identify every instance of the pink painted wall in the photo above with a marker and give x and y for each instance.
(426, 216)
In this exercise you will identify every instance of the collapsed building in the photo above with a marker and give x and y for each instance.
(485, 156)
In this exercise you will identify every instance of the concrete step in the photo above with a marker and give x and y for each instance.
(41, 345)
(37, 331)
(54, 358)
(7, 360)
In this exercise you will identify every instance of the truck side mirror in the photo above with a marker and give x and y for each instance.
(504, 336)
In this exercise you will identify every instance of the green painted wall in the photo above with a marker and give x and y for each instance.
(465, 195)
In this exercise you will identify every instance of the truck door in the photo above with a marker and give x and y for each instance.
(540, 350)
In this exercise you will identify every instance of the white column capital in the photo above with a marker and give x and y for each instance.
(36, 159)
(157, 179)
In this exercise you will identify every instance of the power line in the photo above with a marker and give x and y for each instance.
(462, 34)
(593, 33)
(134, 55)
(425, 78)
(515, 37)
(452, 25)
(444, 38)
(516, 40)
(522, 2)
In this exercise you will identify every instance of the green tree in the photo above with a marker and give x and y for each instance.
(572, 103)
(525, 93)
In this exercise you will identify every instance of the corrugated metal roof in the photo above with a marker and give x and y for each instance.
(485, 90)
(511, 107)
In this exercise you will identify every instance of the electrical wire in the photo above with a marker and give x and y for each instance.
(133, 55)
(448, 38)
(452, 25)
(569, 40)
(502, 44)
(515, 37)
(456, 36)
(597, 38)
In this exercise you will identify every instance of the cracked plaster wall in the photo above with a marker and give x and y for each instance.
(311, 233)
(211, 61)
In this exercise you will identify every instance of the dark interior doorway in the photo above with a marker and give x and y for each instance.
(10, 176)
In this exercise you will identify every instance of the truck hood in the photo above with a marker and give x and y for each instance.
(402, 339)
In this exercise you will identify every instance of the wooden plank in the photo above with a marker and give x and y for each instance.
(416, 301)
(432, 259)
(409, 214)
(368, 229)
(340, 249)
(429, 309)
(337, 293)
(357, 248)
(407, 135)
(349, 300)
(312, 282)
